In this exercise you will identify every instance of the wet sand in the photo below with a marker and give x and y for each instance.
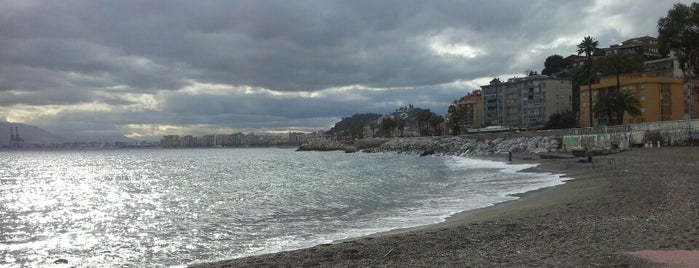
(642, 199)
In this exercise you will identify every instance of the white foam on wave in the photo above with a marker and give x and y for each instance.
(438, 208)
(456, 162)
(510, 176)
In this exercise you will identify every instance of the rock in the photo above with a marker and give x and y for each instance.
(468, 145)
(327, 146)
(426, 153)
(60, 261)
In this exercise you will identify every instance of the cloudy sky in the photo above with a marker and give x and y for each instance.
(144, 69)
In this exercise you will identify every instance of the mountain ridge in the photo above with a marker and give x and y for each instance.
(34, 135)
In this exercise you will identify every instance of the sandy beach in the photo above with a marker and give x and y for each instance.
(642, 199)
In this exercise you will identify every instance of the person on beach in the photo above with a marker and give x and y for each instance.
(587, 159)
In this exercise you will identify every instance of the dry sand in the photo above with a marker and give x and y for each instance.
(643, 199)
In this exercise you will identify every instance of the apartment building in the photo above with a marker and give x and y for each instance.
(474, 110)
(661, 98)
(526, 101)
(472, 105)
(665, 67)
(647, 46)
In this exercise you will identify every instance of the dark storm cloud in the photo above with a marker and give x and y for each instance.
(132, 59)
(305, 45)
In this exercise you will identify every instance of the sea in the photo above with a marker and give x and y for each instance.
(174, 207)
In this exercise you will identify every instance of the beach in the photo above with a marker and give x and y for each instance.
(641, 199)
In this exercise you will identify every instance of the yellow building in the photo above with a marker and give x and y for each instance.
(474, 110)
(662, 98)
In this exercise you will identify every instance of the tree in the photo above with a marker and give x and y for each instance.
(614, 104)
(436, 121)
(553, 64)
(454, 127)
(456, 114)
(604, 107)
(357, 132)
(588, 46)
(625, 102)
(561, 120)
(578, 74)
(400, 125)
(618, 64)
(530, 72)
(423, 117)
(388, 125)
(349, 123)
(679, 32)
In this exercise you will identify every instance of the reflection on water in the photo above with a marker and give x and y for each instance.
(174, 207)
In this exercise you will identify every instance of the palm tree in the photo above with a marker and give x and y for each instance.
(625, 101)
(604, 107)
(615, 103)
(388, 124)
(588, 46)
(423, 117)
(400, 125)
(435, 121)
(620, 63)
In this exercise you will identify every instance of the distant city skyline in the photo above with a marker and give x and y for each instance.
(145, 69)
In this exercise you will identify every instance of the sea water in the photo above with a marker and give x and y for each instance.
(173, 207)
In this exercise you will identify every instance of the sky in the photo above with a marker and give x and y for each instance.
(144, 69)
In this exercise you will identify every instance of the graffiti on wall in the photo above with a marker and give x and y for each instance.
(597, 141)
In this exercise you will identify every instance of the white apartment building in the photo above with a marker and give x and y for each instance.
(525, 101)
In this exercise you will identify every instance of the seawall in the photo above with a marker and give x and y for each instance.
(670, 133)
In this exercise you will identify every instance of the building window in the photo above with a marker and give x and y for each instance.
(643, 110)
(642, 98)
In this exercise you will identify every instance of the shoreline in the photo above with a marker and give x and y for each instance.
(482, 213)
(620, 203)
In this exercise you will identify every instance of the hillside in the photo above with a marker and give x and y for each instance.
(355, 121)
(30, 134)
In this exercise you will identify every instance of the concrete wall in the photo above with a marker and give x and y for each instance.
(667, 133)
(597, 141)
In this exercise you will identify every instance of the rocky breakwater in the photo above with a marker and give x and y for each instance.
(328, 146)
(470, 146)
(445, 145)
